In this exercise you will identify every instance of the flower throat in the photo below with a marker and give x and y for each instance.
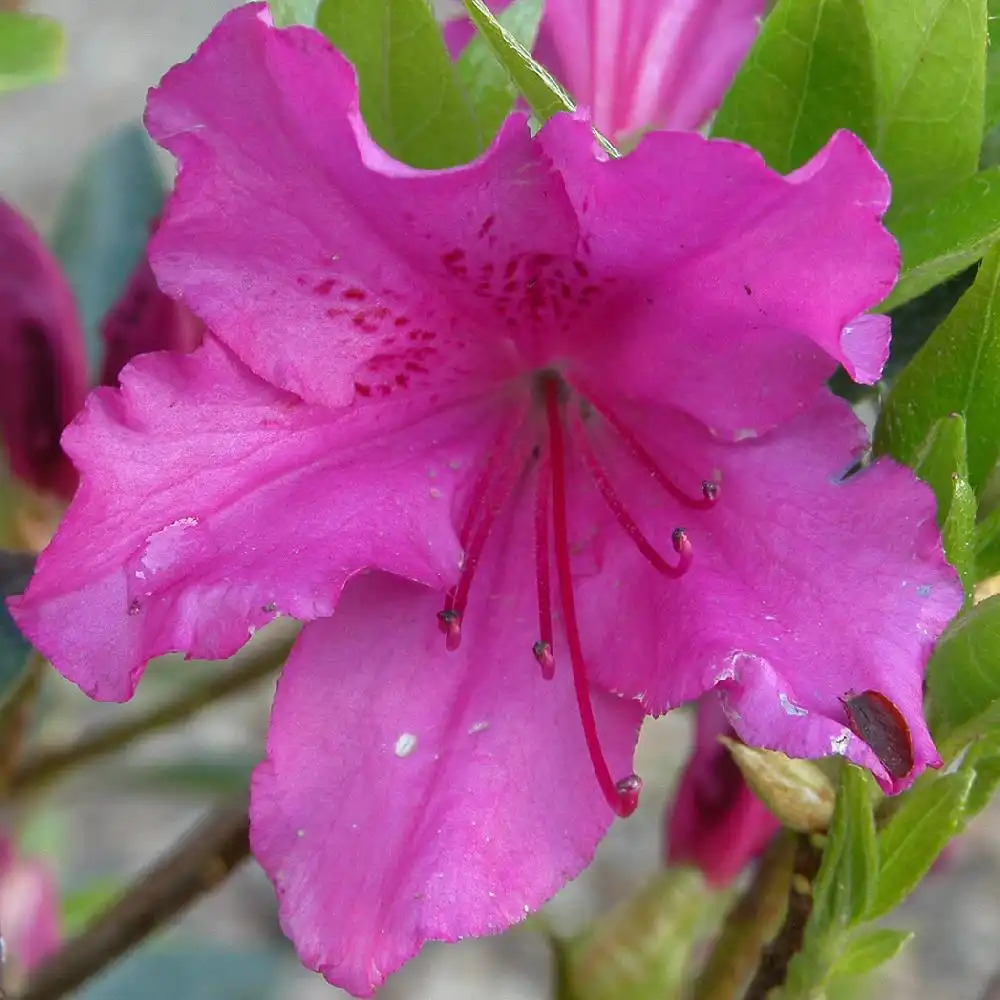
(552, 544)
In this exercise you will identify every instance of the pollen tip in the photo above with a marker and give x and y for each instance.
(628, 790)
(546, 659)
(710, 491)
(450, 622)
(684, 549)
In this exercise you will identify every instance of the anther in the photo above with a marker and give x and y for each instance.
(683, 548)
(710, 491)
(543, 653)
(628, 790)
(450, 621)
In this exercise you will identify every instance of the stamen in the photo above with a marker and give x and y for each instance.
(623, 795)
(681, 542)
(489, 494)
(543, 649)
(709, 490)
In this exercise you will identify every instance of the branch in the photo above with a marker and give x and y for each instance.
(748, 925)
(203, 859)
(251, 664)
(773, 968)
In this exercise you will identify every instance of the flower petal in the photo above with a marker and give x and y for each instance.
(714, 821)
(412, 794)
(42, 357)
(728, 286)
(326, 266)
(211, 501)
(804, 590)
(664, 64)
(29, 909)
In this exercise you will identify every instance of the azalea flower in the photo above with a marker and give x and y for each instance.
(536, 446)
(644, 64)
(43, 353)
(715, 822)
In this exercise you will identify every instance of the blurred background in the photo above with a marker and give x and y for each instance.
(100, 828)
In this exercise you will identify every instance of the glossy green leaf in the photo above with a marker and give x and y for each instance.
(963, 678)
(928, 817)
(31, 50)
(946, 235)
(956, 371)
(930, 71)
(942, 465)
(15, 651)
(411, 99)
(286, 12)
(483, 75)
(809, 74)
(867, 950)
(104, 222)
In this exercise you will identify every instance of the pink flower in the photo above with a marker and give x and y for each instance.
(43, 353)
(548, 430)
(42, 357)
(645, 64)
(30, 923)
(715, 822)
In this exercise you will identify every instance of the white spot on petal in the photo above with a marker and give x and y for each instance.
(839, 744)
(745, 434)
(436, 493)
(406, 744)
(790, 707)
(300, 833)
(478, 727)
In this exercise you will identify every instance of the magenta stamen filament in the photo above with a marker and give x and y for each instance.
(544, 648)
(622, 796)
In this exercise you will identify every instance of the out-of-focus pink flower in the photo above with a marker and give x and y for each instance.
(30, 922)
(551, 434)
(714, 821)
(641, 64)
(144, 320)
(42, 353)
(43, 365)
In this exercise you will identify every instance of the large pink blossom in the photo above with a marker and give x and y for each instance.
(549, 431)
(641, 64)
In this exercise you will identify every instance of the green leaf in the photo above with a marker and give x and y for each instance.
(984, 759)
(867, 950)
(956, 371)
(286, 12)
(929, 815)
(942, 465)
(809, 74)
(930, 71)
(483, 75)
(103, 225)
(81, 905)
(411, 99)
(849, 872)
(963, 678)
(15, 651)
(31, 50)
(942, 237)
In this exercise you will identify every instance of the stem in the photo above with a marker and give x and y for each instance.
(773, 968)
(748, 925)
(203, 859)
(250, 665)
(15, 716)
